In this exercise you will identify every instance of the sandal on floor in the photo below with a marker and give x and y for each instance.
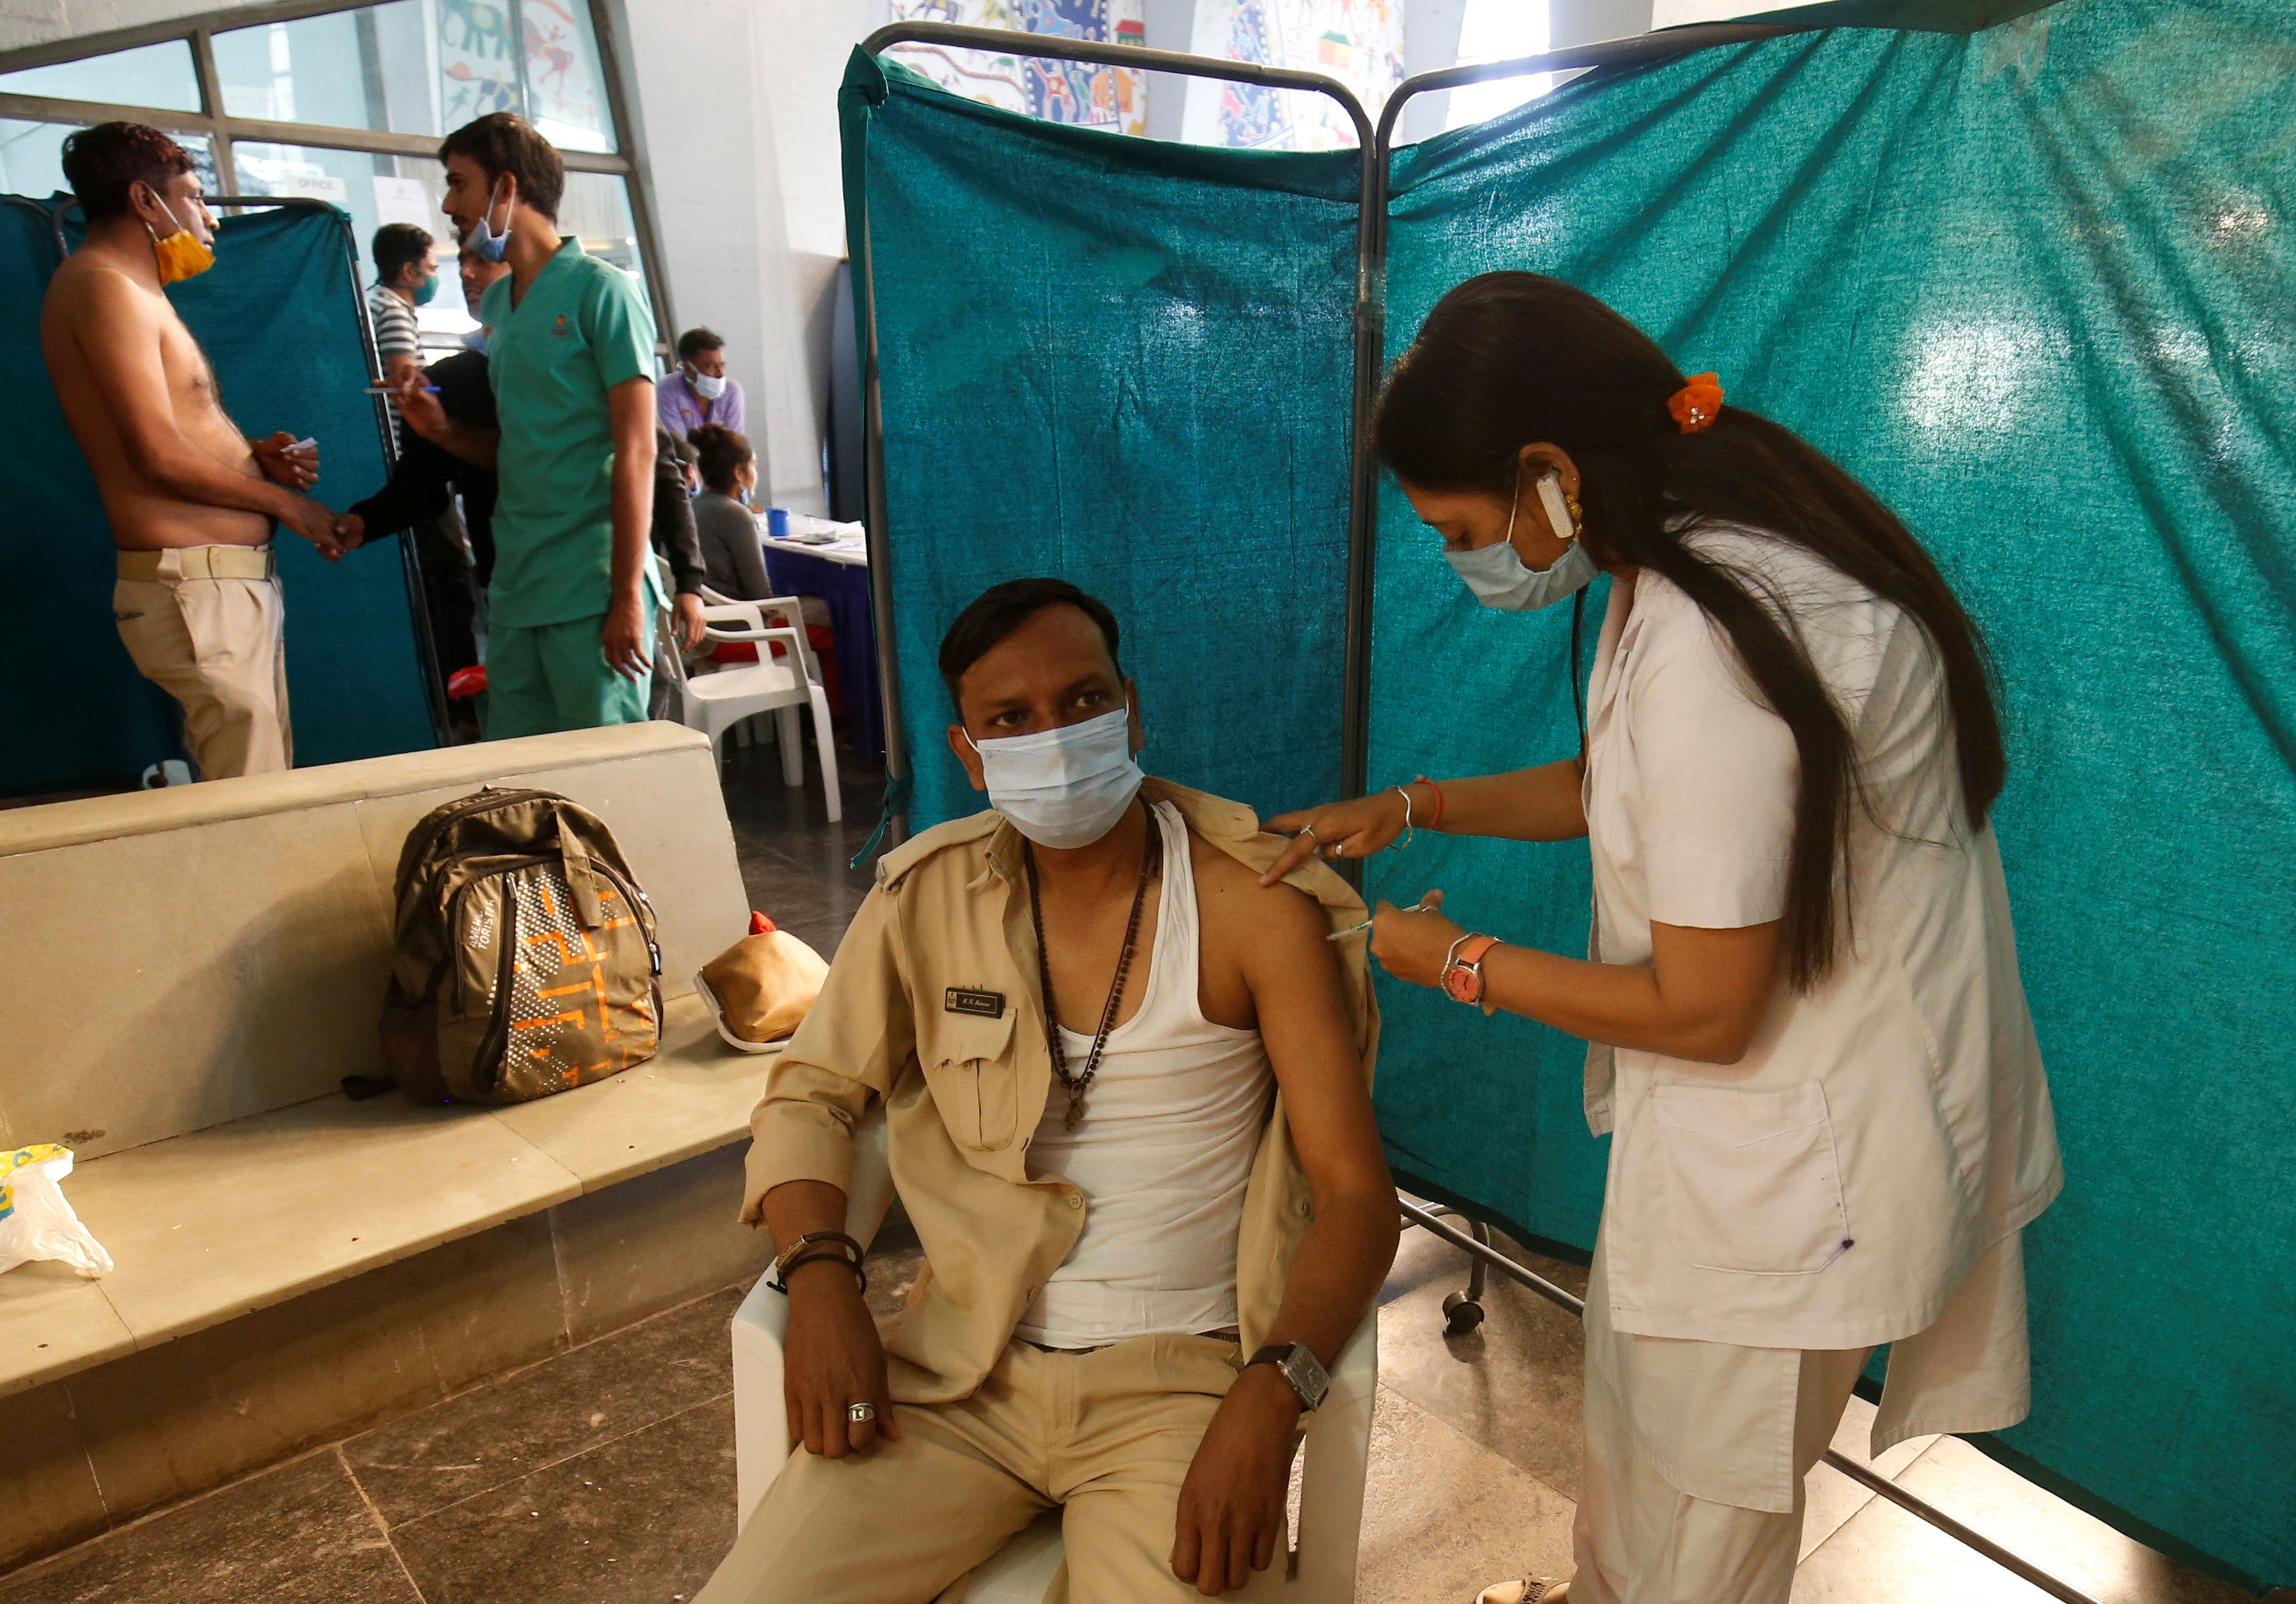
(1522, 1590)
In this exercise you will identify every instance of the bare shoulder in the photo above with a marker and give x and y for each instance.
(1233, 900)
(88, 296)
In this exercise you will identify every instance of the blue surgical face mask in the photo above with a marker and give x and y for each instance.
(1063, 787)
(482, 239)
(1499, 576)
(427, 290)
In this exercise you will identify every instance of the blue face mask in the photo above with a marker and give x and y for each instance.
(1063, 787)
(482, 239)
(1500, 579)
(427, 290)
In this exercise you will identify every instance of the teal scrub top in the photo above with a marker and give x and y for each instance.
(582, 328)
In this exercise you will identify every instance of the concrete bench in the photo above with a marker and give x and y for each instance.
(188, 974)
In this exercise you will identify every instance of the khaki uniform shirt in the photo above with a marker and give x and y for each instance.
(904, 1020)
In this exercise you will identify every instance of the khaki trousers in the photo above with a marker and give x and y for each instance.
(214, 646)
(1106, 1435)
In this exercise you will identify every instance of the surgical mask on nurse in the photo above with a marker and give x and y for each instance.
(1063, 787)
(1500, 578)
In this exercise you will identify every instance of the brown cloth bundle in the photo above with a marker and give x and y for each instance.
(762, 986)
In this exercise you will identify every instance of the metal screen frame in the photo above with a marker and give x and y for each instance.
(1369, 332)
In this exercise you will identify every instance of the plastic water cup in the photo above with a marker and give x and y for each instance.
(777, 521)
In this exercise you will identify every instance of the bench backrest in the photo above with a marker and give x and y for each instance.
(172, 959)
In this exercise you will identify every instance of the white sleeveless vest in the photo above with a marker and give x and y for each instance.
(1170, 1126)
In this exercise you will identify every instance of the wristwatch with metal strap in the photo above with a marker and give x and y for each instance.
(1300, 1368)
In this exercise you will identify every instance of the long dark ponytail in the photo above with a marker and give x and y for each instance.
(1511, 360)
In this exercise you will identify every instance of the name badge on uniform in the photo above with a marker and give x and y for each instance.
(986, 1005)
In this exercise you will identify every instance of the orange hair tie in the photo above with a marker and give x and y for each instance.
(1696, 404)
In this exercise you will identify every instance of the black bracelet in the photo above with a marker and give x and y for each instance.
(780, 1282)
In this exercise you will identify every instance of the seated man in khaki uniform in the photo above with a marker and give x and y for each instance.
(1148, 1229)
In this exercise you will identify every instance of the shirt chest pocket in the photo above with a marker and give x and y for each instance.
(969, 1067)
(1754, 1178)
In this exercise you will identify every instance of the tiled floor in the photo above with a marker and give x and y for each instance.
(605, 1475)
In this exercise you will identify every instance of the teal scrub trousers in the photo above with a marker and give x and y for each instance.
(546, 677)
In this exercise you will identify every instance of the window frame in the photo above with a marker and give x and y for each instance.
(626, 161)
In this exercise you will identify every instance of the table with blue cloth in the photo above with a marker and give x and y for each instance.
(838, 574)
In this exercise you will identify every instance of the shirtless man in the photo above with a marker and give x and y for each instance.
(192, 501)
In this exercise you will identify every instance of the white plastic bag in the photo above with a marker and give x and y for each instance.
(36, 1223)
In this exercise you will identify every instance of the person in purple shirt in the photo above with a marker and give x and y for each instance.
(698, 392)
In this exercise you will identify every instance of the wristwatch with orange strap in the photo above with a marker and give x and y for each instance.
(1463, 970)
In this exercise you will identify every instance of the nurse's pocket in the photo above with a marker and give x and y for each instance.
(1754, 1182)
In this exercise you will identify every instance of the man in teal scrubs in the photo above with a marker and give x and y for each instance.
(570, 352)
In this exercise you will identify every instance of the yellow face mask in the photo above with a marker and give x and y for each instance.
(180, 254)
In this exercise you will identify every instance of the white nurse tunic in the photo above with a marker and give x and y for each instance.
(1833, 1189)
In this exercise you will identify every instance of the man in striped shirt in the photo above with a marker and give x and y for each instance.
(406, 276)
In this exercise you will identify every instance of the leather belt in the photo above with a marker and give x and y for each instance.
(200, 562)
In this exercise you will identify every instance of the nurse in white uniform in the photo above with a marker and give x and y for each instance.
(1807, 1034)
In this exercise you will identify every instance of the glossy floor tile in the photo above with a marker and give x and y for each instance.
(297, 1533)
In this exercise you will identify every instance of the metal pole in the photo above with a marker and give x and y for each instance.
(1362, 503)
(631, 143)
(1865, 1476)
(219, 151)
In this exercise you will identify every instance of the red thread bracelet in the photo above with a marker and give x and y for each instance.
(1437, 790)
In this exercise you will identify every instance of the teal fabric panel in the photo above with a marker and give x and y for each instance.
(1128, 365)
(2037, 286)
(278, 318)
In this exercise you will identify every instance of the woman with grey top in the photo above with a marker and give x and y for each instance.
(730, 551)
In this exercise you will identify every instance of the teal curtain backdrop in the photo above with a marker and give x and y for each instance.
(2037, 287)
(1129, 366)
(276, 316)
(2035, 283)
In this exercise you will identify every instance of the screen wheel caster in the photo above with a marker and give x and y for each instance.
(1461, 1314)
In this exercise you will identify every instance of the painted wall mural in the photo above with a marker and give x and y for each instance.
(1358, 42)
(1106, 97)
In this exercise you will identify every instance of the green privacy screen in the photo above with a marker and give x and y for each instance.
(1126, 364)
(2037, 286)
(276, 318)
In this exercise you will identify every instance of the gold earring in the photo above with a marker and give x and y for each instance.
(1578, 516)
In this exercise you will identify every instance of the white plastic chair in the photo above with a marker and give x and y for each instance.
(714, 704)
(1337, 1448)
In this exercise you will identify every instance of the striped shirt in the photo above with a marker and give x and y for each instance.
(394, 336)
(394, 326)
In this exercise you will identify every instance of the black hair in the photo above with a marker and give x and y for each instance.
(102, 163)
(1001, 609)
(722, 451)
(1511, 360)
(393, 247)
(501, 142)
(694, 342)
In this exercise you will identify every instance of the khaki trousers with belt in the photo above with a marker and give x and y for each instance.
(204, 623)
(1106, 1435)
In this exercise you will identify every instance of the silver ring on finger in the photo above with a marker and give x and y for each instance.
(861, 1413)
(1309, 830)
